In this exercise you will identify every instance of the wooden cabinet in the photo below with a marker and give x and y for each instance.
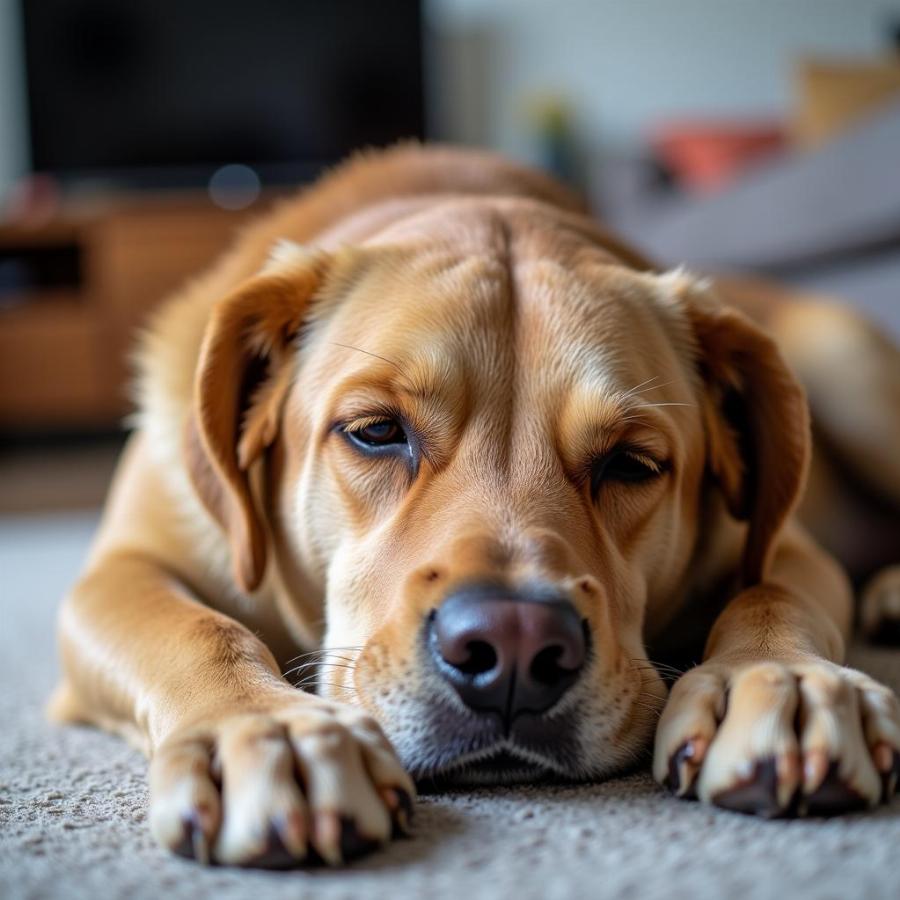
(88, 279)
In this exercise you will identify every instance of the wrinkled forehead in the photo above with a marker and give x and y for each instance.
(488, 309)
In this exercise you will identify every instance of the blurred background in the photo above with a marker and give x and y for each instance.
(136, 136)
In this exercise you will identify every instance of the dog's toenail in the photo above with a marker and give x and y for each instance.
(275, 855)
(676, 766)
(193, 843)
(354, 844)
(889, 779)
(833, 796)
(757, 794)
(403, 815)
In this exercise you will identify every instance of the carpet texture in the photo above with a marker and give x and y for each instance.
(73, 807)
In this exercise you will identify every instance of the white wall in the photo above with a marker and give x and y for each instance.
(13, 138)
(626, 63)
(621, 63)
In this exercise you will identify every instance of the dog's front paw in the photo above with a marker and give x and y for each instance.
(306, 781)
(772, 739)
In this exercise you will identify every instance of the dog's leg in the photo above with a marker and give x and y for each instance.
(851, 372)
(245, 768)
(771, 723)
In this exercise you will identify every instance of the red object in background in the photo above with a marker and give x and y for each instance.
(704, 156)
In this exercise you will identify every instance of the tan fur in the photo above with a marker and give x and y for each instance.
(520, 342)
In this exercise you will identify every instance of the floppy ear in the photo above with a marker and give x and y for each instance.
(756, 419)
(243, 375)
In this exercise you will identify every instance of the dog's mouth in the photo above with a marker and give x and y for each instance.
(465, 750)
(493, 767)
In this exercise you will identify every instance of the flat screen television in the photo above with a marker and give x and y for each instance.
(166, 92)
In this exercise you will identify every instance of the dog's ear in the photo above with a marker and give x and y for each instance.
(756, 419)
(243, 376)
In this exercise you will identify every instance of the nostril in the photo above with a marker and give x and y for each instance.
(481, 658)
(562, 657)
(545, 668)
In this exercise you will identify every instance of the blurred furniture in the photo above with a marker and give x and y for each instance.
(72, 292)
(827, 219)
(707, 155)
(833, 95)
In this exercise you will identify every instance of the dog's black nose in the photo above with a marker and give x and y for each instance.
(506, 653)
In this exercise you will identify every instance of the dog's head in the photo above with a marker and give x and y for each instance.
(481, 448)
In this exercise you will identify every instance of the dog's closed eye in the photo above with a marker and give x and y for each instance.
(625, 465)
(376, 431)
(381, 435)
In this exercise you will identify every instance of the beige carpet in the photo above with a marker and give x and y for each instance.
(72, 807)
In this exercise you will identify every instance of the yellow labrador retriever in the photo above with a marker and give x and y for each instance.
(430, 440)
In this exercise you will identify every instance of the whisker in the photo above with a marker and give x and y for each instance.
(649, 663)
(312, 664)
(368, 353)
(338, 687)
(655, 710)
(322, 661)
(641, 420)
(306, 679)
(634, 392)
(309, 683)
(643, 660)
(325, 650)
(674, 673)
(347, 661)
(316, 665)
(655, 706)
(321, 650)
(656, 405)
(657, 669)
(311, 678)
(669, 674)
(662, 667)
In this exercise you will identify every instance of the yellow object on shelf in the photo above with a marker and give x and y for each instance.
(833, 95)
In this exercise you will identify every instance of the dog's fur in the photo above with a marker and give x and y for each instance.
(520, 343)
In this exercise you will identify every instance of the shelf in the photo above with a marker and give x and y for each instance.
(65, 341)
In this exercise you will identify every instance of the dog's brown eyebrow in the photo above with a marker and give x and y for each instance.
(408, 382)
(409, 387)
(594, 421)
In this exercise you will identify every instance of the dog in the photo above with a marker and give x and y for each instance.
(432, 444)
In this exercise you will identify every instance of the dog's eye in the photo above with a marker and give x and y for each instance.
(380, 432)
(624, 466)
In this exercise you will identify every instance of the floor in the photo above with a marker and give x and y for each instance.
(72, 803)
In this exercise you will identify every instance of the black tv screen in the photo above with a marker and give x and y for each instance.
(170, 90)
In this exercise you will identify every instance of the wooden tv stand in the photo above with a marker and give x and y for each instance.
(89, 277)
